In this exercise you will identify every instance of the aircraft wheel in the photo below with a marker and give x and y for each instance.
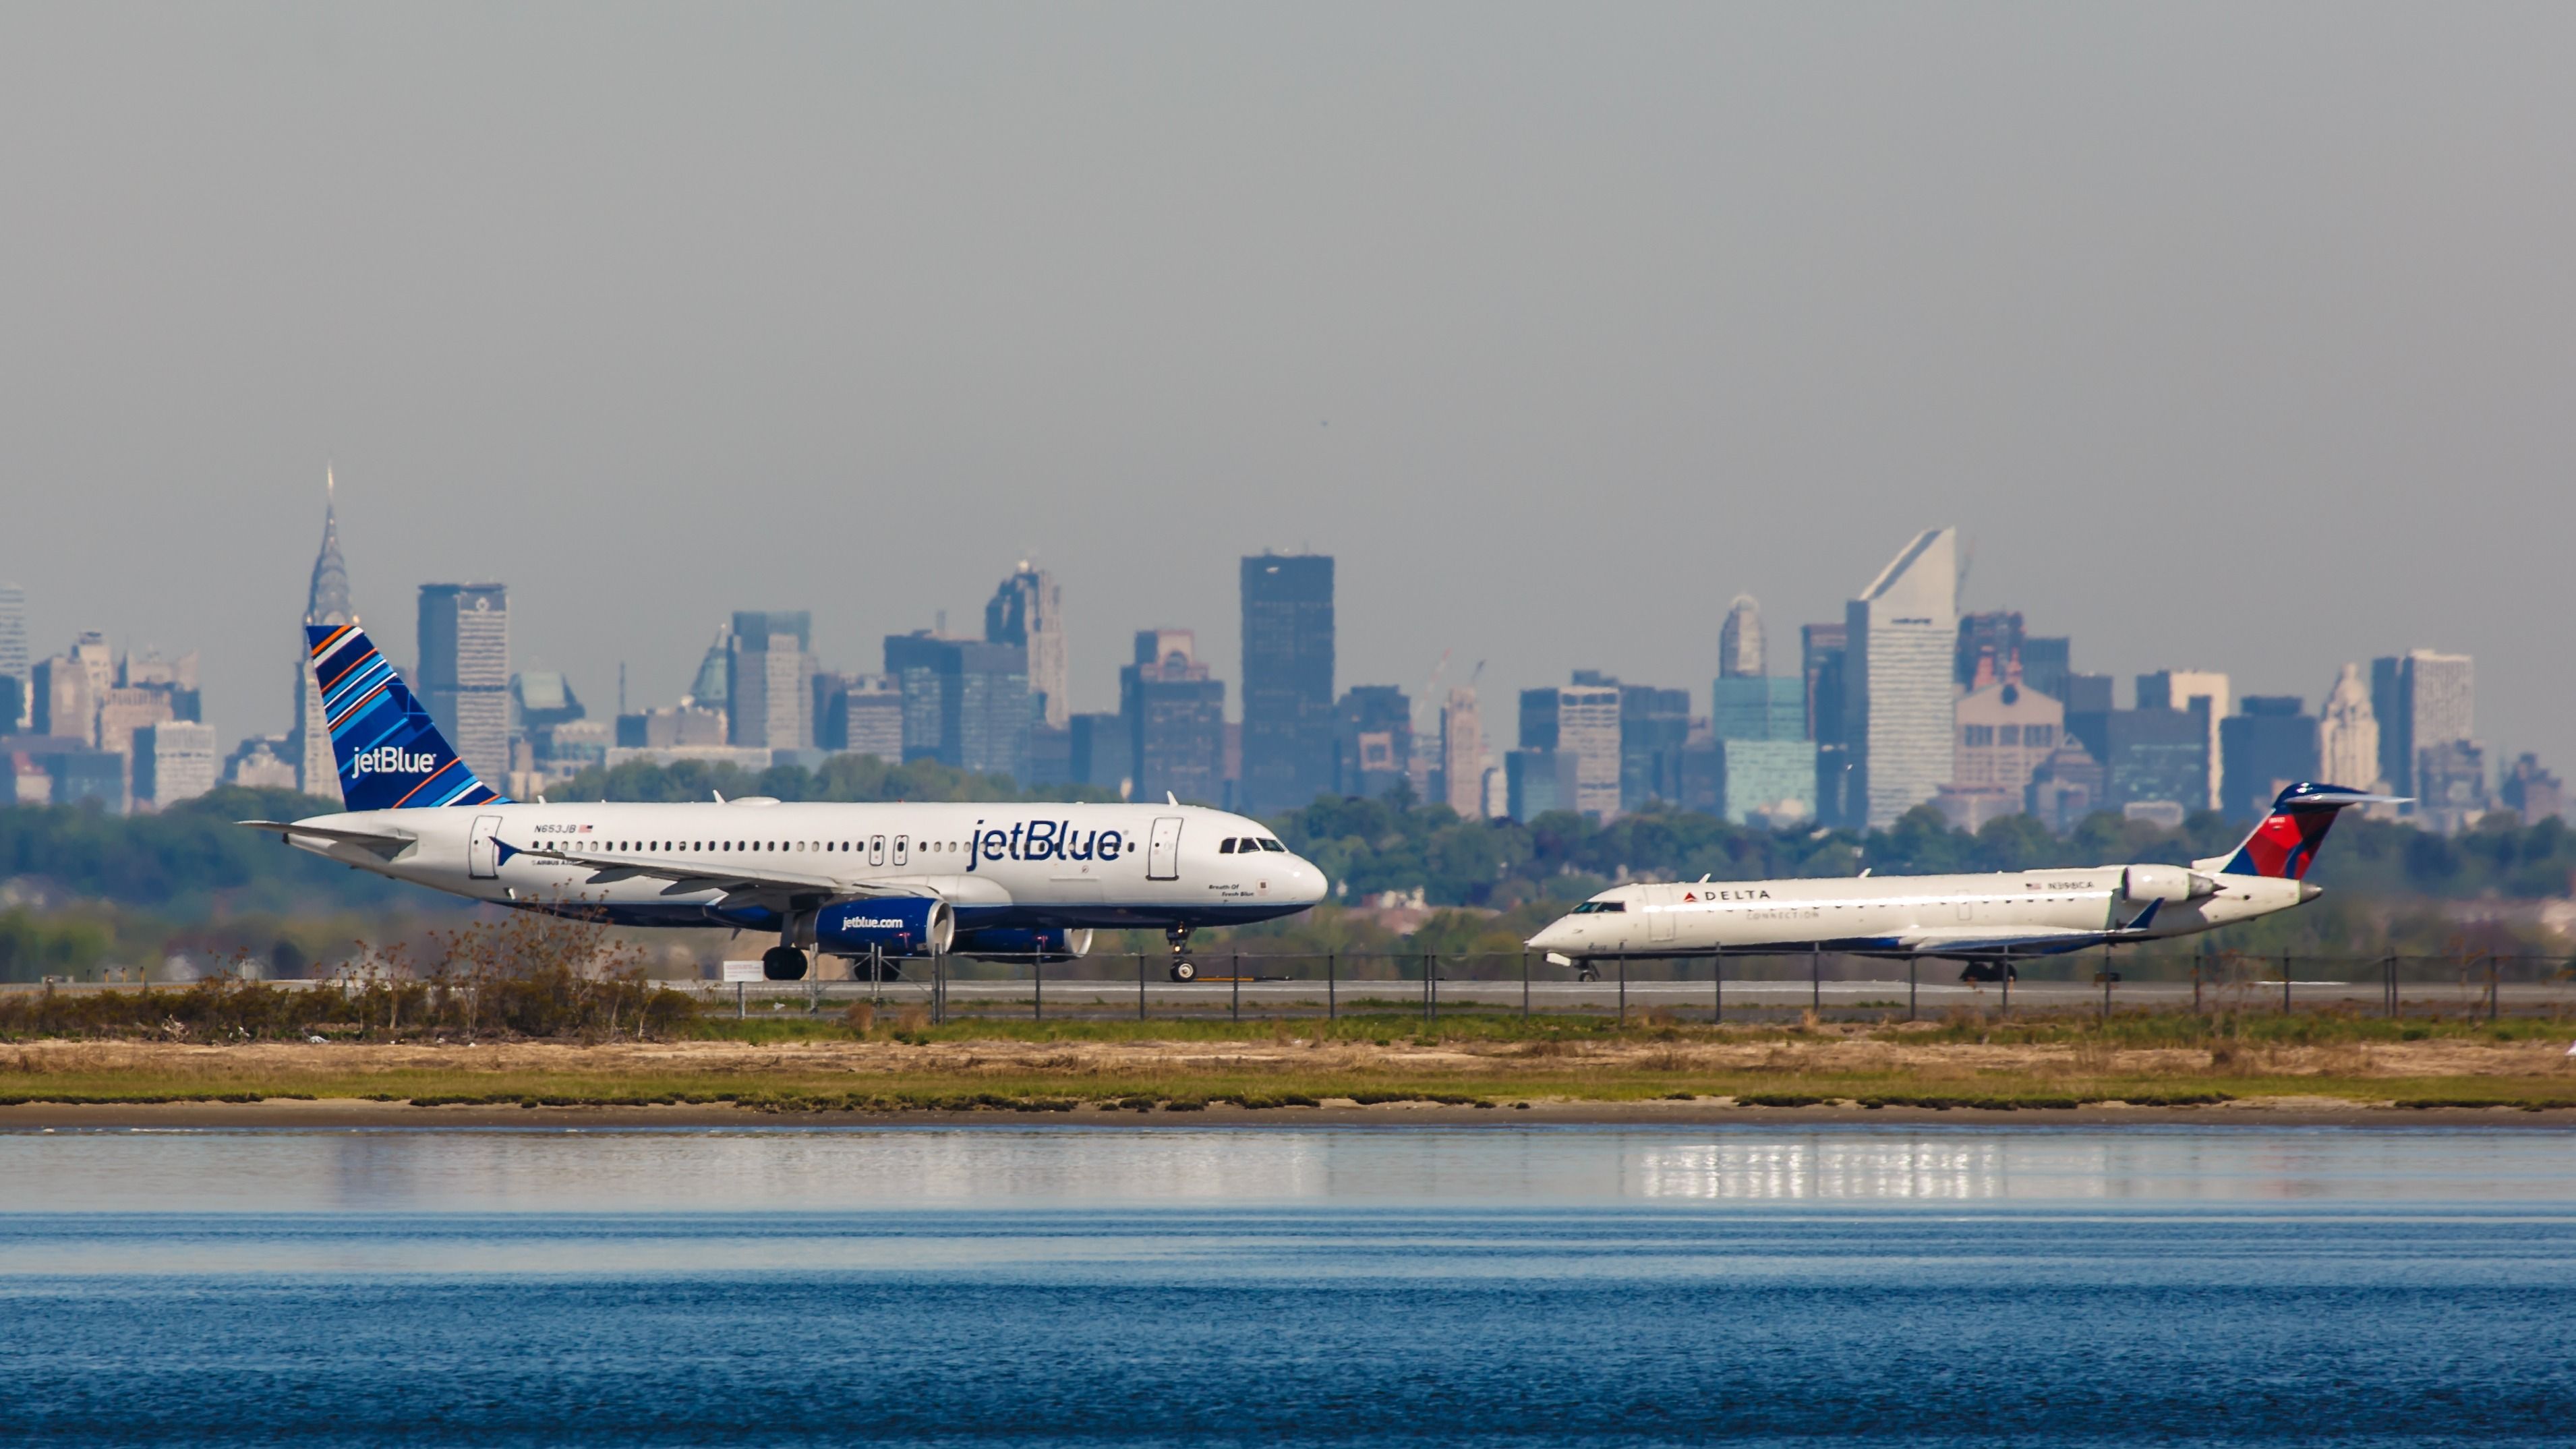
(783, 963)
(1587, 973)
(1184, 971)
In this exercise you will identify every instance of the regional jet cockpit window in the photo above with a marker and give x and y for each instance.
(1594, 908)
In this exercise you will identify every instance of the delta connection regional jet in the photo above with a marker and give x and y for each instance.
(895, 880)
(1976, 918)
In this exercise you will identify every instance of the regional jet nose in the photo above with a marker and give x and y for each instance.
(1556, 935)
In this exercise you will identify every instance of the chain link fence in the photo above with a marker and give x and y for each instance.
(1745, 988)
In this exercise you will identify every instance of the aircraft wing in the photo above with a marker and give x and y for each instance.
(1993, 940)
(761, 881)
(385, 843)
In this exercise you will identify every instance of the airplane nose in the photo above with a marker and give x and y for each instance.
(1307, 882)
(1554, 935)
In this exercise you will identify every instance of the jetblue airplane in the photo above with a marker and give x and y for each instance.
(1983, 919)
(892, 880)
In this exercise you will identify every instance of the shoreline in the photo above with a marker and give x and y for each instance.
(360, 1114)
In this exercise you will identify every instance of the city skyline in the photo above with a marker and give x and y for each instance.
(1973, 648)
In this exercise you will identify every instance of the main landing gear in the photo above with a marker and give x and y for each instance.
(1182, 970)
(783, 963)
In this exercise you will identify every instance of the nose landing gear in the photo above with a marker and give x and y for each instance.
(1182, 969)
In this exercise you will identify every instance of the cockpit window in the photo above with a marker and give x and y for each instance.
(1269, 844)
(1225, 846)
(1600, 908)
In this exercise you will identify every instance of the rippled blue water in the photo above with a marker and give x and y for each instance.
(1940, 1286)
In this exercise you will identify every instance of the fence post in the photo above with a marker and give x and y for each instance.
(2196, 960)
(1623, 985)
(1525, 986)
(1237, 976)
(2008, 978)
(1816, 978)
(1140, 987)
(939, 990)
(2492, 960)
(1913, 983)
(739, 1005)
(1431, 984)
(1332, 996)
(2389, 968)
(1037, 981)
(1716, 988)
(2285, 983)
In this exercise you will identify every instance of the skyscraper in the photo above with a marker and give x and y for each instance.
(1462, 754)
(2271, 745)
(1372, 740)
(707, 690)
(769, 679)
(13, 657)
(2424, 700)
(2045, 663)
(326, 601)
(1989, 648)
(1175, 719)
(1579, 722)
(2348, 734)
(465, 672)
(1028, 610)
(174, 760)
(1739, 640)
(1287, 680)
(2176, 689)
(1823, 650)
(1903, 633)
(965, 702)
(1654, 728)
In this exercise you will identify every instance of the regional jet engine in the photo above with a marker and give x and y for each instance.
(2140, 884)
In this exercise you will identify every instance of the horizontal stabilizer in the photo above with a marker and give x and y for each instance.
(385, 843)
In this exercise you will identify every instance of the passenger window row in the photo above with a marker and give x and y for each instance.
(901, 846)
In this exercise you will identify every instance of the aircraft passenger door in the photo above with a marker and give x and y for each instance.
(482, 850)
(1660, 908)
(876, 850)
(902, 843)
(1163, 849)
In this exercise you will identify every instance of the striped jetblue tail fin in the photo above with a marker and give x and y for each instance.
(2285, 844)
(391, 756)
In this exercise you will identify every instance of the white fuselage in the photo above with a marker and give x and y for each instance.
(998, 865)
(2014, 912)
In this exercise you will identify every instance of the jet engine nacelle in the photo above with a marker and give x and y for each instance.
(2140, 884)
(1046, 943)
(893, 925)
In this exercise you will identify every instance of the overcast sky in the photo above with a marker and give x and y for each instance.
(2234, 337)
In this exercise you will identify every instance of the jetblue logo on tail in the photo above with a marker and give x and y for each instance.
(390, 756)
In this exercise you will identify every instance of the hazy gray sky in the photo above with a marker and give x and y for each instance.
(2235, 337)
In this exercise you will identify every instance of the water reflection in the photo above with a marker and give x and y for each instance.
(851, 1170)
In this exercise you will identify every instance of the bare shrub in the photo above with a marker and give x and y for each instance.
(861, 1018)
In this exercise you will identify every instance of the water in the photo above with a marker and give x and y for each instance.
(1126, 1286)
